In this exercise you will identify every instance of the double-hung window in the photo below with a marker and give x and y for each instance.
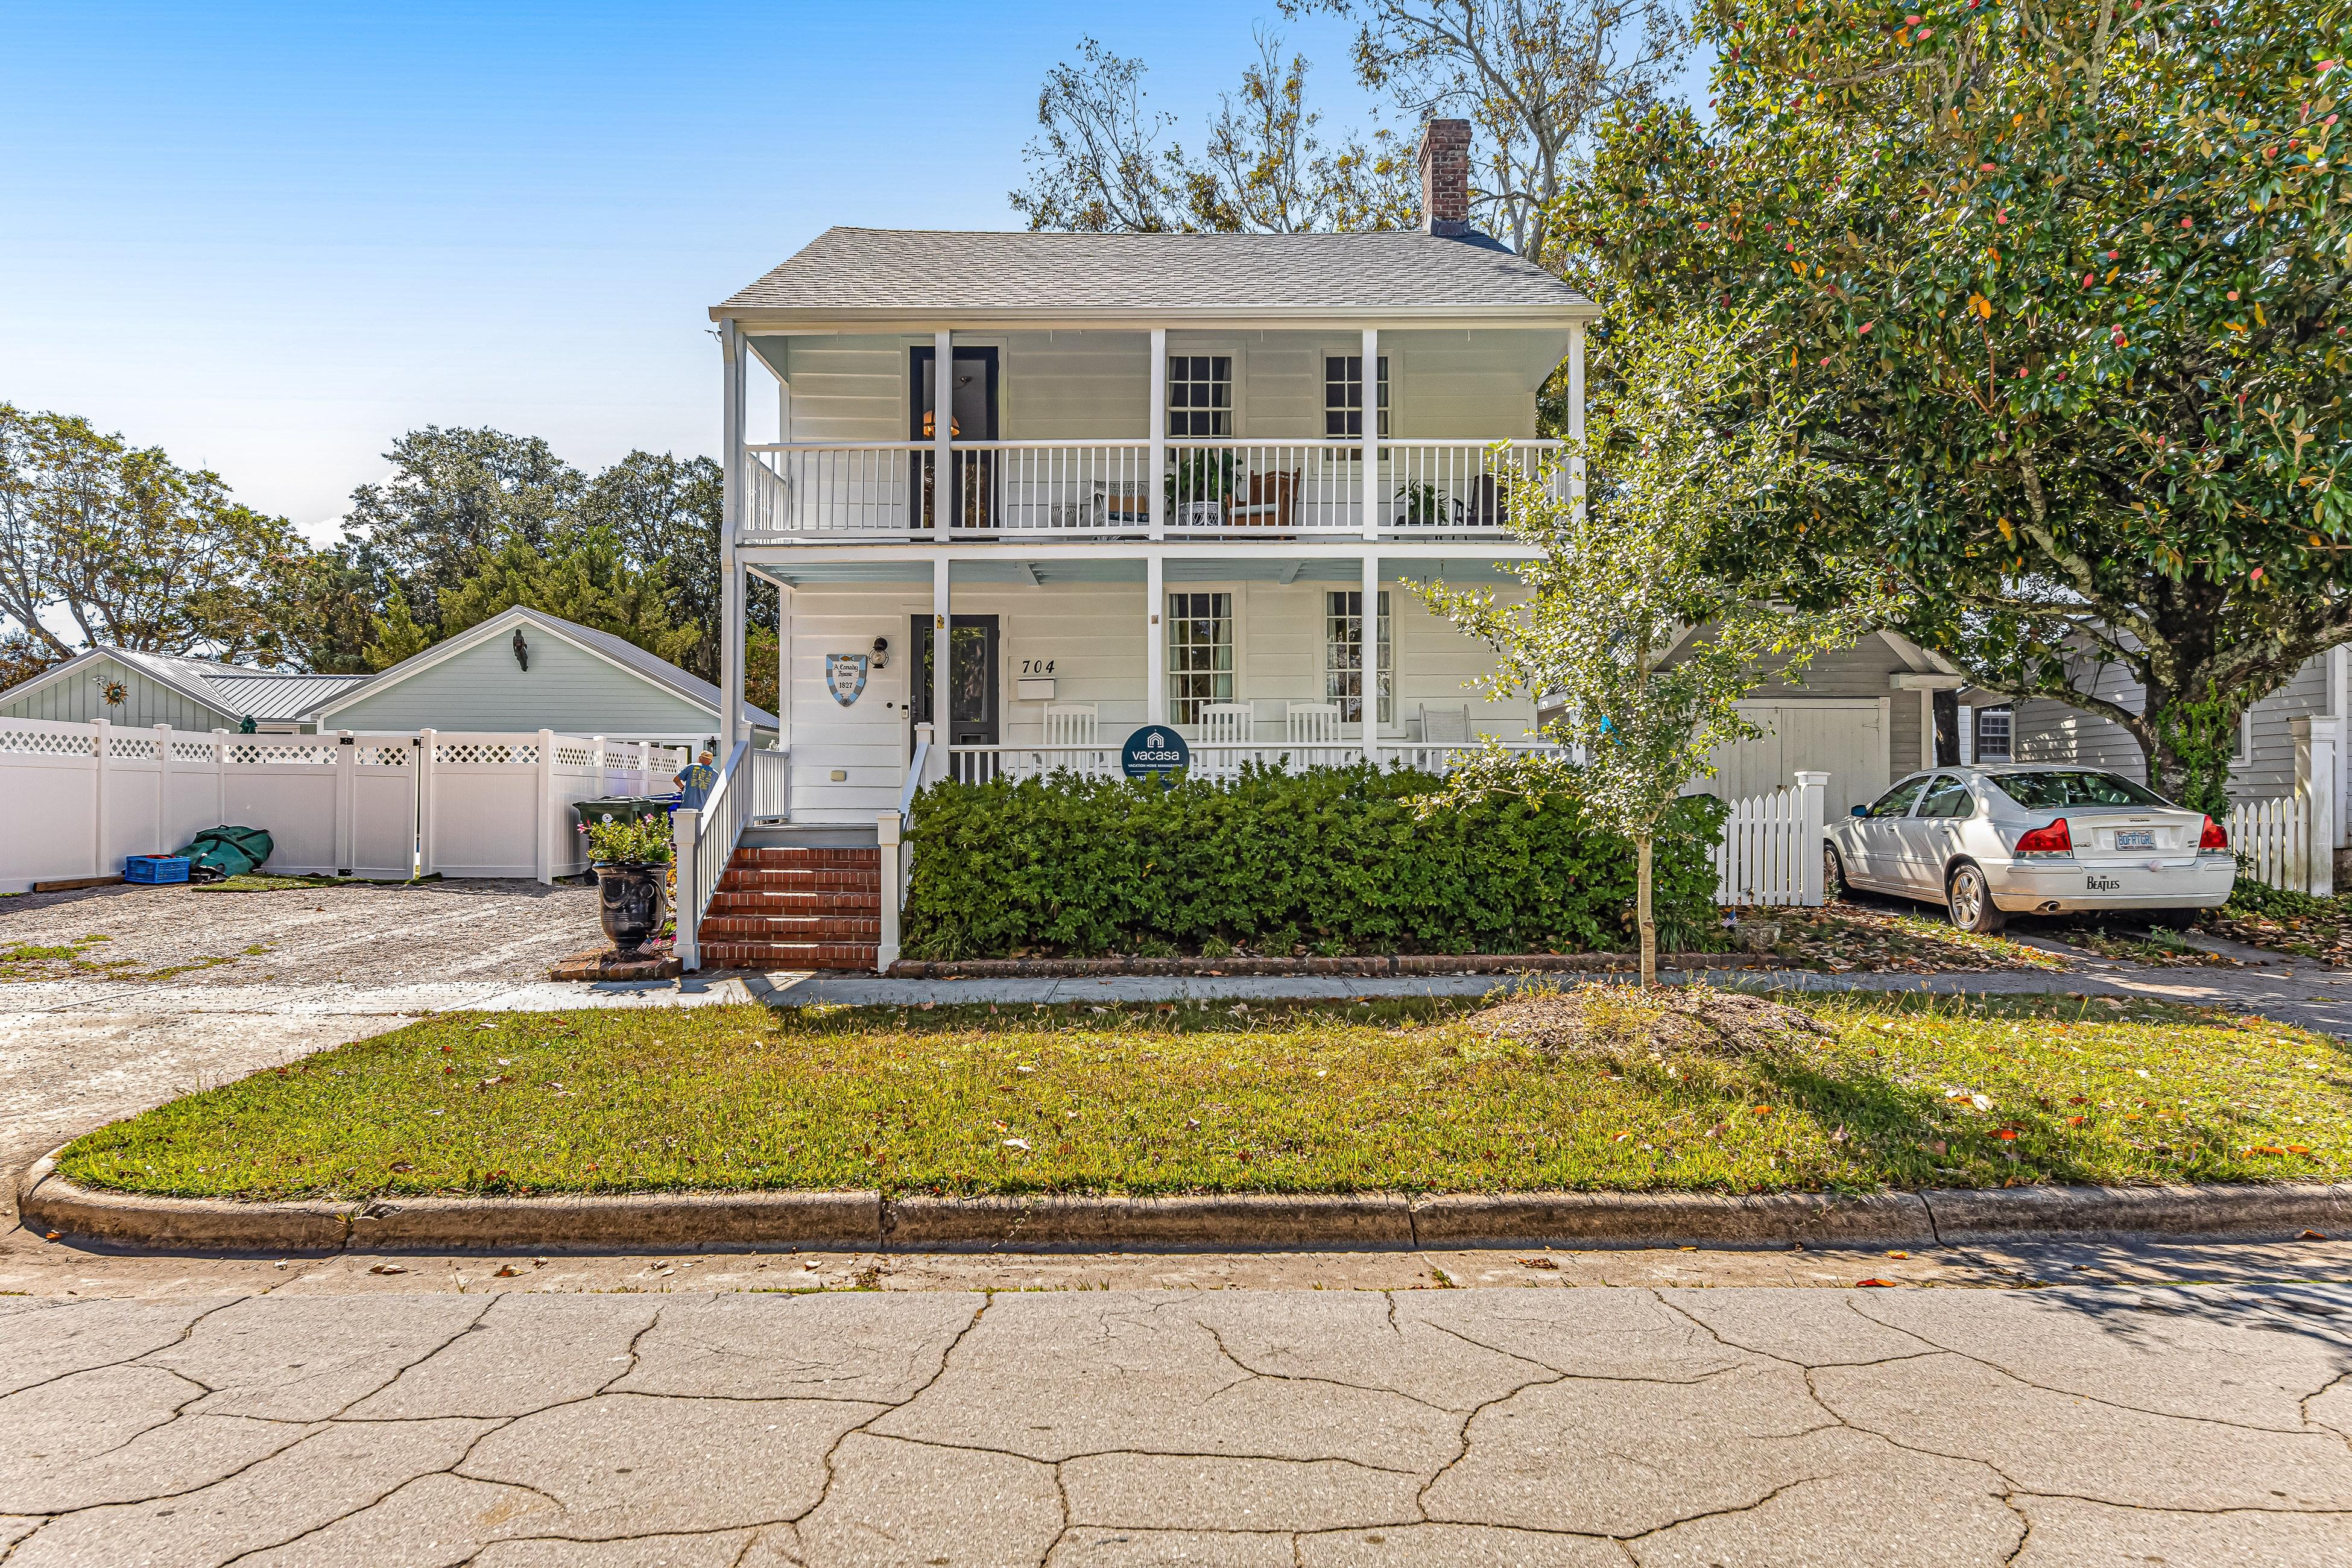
(1343, 656)
(1199, 654)
(1343, 396)
(1993, 734)
(1201, 395)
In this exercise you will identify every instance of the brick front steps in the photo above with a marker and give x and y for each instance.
(791, 906)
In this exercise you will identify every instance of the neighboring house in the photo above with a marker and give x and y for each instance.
(525, 670)
(124, 687)
(1176, 470)
(570, 678)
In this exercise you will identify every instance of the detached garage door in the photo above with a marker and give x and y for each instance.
(1844, 737)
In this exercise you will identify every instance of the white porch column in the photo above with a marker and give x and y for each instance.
(1576, 407)
(1155, 640)
(784, 594)
(1967, 723)
(942, 663)
(730, 523)
(886, 828)
(1371, 395)
(2319, 755)
(1369, 630)
(1155, 467)
(943, 496)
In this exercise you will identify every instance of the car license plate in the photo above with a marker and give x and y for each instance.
(2142, 839)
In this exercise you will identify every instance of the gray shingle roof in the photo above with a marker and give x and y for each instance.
(899, 269)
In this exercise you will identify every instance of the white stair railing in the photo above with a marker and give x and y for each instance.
(705, 842)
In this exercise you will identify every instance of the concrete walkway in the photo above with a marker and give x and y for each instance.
(1589, 1427)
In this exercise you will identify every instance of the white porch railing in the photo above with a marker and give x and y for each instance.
(704, 842)
(1028, 489)
(983, 764)
(771, 785)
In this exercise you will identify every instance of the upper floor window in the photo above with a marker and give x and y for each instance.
(1993, 734)
(1200, 395)
(1343, 395)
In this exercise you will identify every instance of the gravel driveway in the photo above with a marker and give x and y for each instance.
(356, 935)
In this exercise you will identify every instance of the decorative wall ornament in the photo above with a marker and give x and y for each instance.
(844, 676)
(113, 691)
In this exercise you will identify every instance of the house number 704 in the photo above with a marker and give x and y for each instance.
(1036, 667)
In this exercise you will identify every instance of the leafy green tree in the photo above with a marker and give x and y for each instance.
(132, 550)
(1626, 575)
(456, 497)
(2059, 285)
(588, 579)
(393, 635)
(1096, 164)
(664, 513)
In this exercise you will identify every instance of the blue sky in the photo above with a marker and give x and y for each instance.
(269, 238)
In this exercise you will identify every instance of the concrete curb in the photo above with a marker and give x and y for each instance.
(1384, 966)
(866, 1222)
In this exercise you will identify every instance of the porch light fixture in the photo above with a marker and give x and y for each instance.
(881, 652)
(521, 649)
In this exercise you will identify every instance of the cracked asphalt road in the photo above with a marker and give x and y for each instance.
(2179, 1424)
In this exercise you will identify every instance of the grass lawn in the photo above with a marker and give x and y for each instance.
(1904, 1092)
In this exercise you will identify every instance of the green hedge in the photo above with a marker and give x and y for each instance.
(1333, 858)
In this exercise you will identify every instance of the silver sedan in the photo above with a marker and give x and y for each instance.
(1990, 842)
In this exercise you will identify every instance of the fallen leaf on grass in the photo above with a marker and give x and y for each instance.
(2306, 1235)
(1898, 1255)
(507, 1272)
(1877, 1284)
(388, 1269)
(1538, 1263)
(1020, 1143)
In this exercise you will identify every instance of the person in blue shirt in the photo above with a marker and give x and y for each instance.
(695, 782)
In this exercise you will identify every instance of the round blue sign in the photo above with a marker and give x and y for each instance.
(1154, 749)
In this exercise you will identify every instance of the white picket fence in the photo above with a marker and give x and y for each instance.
(77, 799)
(2273, 838)
(1772, 847)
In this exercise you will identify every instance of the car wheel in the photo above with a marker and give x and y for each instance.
(1970, 901)
(1833, 875)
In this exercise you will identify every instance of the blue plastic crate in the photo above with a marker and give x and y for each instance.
(155, 868)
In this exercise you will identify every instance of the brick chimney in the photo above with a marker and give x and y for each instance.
(1445, 177)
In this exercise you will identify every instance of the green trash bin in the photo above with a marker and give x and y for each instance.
(623, 808)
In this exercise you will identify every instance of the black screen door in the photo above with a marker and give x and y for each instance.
(972, 679)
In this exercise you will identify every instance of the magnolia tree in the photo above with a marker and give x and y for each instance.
(1627, 628)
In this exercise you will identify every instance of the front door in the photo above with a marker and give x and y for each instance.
(973, 703)
(972, 498)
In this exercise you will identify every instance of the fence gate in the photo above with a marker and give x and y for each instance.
(375, 805)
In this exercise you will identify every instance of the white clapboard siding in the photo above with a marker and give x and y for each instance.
(2273, 838)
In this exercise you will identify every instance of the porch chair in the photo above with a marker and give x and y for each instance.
(1445, 726)
(1314, 727)
(1225, 735)
(1271, 498)
(1073, 724)
(1113, 505)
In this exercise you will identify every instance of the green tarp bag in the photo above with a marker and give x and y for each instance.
(219, 852)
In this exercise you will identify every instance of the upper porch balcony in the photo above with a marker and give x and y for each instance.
(1147, 387)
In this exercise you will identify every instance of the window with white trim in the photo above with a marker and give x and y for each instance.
(1201, 395)
(1343, 656)
(1199, 654)
(1995, 728)
(1343, 396)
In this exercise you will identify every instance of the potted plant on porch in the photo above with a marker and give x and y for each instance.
(632, 862)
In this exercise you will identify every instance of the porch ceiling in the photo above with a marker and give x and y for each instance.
(1014, 572)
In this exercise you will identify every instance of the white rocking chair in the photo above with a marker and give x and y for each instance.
(1445, 726)
(1073, 724)
(1226, 737)
(1315, 734)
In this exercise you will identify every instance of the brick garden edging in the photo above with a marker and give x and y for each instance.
(1392, 963)
(869, 1222)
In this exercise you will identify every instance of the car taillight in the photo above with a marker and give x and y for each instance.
(2051, 840)
(2215, 836)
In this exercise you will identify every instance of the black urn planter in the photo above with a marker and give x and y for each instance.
(629, 903)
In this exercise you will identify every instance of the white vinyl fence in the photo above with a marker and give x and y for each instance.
(76, 800)
(1771, 849)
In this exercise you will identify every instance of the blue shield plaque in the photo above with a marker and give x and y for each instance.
(1154, 749)
(844, 676)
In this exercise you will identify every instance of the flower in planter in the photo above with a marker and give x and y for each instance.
(644, 842)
